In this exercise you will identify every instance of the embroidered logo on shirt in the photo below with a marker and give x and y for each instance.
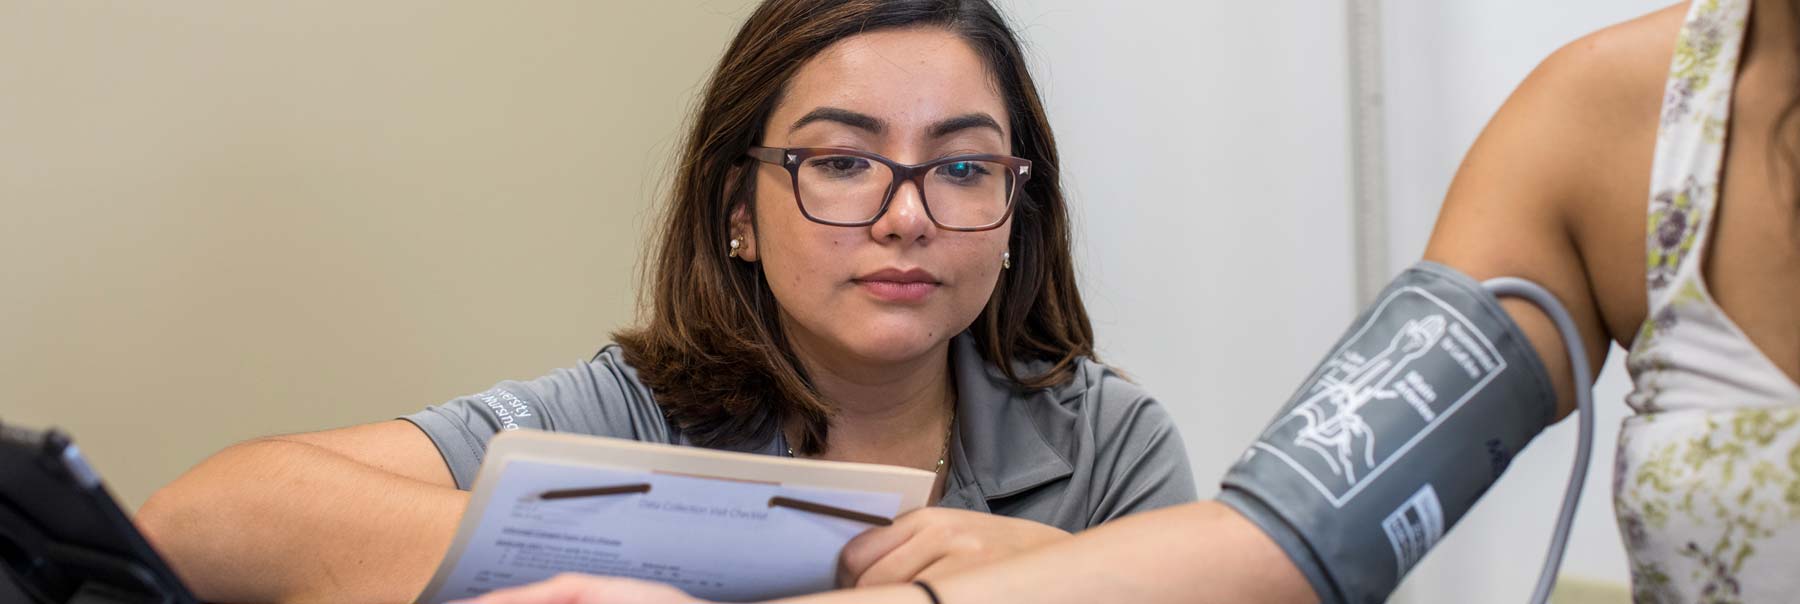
(507, 408)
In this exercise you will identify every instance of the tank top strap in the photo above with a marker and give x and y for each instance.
(1690, 144)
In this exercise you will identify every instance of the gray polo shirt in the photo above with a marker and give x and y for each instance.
(1073, 456)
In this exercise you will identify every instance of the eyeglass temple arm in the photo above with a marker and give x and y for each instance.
(768, 154)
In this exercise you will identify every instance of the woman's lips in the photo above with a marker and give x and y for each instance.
(896, 285)
(898, 291)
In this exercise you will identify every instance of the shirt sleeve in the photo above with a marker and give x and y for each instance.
(1140, 462)
(600, 398)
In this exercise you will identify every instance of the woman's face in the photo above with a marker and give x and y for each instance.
(902, 287)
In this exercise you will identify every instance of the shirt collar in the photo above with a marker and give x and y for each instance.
(998, 448)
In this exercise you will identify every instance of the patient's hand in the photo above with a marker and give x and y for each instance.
(588, 589)
(933, 542)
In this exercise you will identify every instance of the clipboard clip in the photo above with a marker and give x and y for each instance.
(624, 489)
(828, 510)
(774, 502)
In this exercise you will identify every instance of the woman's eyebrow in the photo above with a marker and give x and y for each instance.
(964, 122)
(860, 121)
(875, 125)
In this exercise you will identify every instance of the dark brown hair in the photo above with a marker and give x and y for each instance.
(711, 345)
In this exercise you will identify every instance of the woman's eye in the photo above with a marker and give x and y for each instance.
(963, 171)
(839, 165)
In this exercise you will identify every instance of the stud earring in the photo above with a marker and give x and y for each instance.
(1006, 260)
(735, 244)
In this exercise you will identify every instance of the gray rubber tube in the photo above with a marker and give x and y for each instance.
(1584, 407)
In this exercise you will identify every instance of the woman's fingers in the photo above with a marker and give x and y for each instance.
(871, 546)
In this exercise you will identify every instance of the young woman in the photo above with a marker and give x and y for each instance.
(865, 258)
(1646, 175)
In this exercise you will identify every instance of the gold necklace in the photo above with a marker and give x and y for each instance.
(943, 454)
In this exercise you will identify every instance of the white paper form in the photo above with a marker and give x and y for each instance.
(718, 539)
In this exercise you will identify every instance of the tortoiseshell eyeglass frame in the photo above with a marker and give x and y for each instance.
(1019, 171)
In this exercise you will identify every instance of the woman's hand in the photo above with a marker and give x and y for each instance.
(573, 588)
(933, 542)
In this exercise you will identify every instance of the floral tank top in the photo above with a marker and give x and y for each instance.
(1707, 481)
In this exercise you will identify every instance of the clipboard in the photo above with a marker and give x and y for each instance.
(546, 503)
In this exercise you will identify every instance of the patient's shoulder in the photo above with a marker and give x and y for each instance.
(1576, 138)
(1612, 79)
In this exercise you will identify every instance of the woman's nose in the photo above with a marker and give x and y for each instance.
(906, 218)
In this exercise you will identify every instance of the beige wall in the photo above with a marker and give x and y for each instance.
(220, 220)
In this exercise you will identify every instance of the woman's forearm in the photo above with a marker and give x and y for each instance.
(275, 520)
(1199, 552)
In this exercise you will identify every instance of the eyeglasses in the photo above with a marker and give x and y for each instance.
(846, 187)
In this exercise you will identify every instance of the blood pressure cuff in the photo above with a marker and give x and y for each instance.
(1394, 436)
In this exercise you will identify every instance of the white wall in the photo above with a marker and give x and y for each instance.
(1448, 67)
(1204, 146)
